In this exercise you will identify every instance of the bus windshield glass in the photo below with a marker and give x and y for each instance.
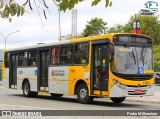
(131, 59)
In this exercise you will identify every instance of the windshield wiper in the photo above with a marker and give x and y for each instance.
(142, 52)
(134, 57)
(131, 55)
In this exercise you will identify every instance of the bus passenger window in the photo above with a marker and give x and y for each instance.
(66, 55)
(32, 58)
(23, 58)
(81, 53)
(54, 56)
(6, 58)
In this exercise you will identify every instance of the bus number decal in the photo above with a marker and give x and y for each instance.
(146, 82)
(20, 72)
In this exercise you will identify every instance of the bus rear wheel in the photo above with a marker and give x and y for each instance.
(56, 95)
(83, 95)
(26, 90)
(118, 100)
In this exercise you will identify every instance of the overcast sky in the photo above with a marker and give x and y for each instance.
(31, 31)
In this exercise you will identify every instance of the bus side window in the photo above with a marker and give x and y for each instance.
(6, 58)
(54, 56)
(66, 55)
(32, 58)
(81, 53)
(23, 58)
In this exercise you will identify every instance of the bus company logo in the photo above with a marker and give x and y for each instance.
(151, 8)
(73, 71)
(57, 72)
(52, 72)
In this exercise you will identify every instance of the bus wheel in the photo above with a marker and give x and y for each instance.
(56, 95)
(26, 90)
(118, 100)
(82, 94)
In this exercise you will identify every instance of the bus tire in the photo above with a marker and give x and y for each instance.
(56, 95)
(83, 94)
(34, 94)
(26, 90)
(118, 100)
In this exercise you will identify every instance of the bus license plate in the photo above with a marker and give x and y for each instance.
(137, 91)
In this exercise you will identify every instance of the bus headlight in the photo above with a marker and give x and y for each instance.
(151, 85)
(121, 85)
(118, 84)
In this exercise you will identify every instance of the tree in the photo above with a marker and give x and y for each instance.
(156, 54)
(117, 29)
(9, 8)
(69, 4)
(149, 25)
(94, 26)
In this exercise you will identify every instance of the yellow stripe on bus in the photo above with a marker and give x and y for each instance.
(27, 78)
(97, 92)
(42, 92)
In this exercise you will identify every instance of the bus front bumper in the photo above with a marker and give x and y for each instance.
(116, 91)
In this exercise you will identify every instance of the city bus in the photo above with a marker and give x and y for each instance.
(112, 66)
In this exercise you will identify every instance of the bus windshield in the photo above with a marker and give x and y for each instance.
(131, 59)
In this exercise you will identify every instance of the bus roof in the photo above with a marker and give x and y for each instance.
(94, 37)
(110, 35)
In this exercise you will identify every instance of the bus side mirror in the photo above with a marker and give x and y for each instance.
(112, 50)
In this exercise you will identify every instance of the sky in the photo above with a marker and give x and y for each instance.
(32, 30)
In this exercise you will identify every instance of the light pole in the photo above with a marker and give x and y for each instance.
(5, 37)
(59, 16)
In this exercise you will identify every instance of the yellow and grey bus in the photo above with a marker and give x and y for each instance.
(110, 65)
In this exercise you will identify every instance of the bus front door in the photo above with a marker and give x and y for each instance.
(100, 68)
(13, 71)
(43, 70)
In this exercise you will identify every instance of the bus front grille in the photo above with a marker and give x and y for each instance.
(143, 92)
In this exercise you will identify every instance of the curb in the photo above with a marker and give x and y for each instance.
(143, 100)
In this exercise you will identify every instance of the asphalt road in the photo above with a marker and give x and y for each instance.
(15, 97)
(14, 100)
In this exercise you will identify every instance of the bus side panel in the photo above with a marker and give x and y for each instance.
(58, 80)
(5, 79)
(75, 74)
(29, 73)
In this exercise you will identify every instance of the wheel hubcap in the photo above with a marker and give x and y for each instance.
(26, 89)
(83, 93)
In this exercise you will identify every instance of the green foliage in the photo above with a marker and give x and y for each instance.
(94, 26)
(156, 55)
(117, 29)
(149, 25)
(10, 9)
(69, 4)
